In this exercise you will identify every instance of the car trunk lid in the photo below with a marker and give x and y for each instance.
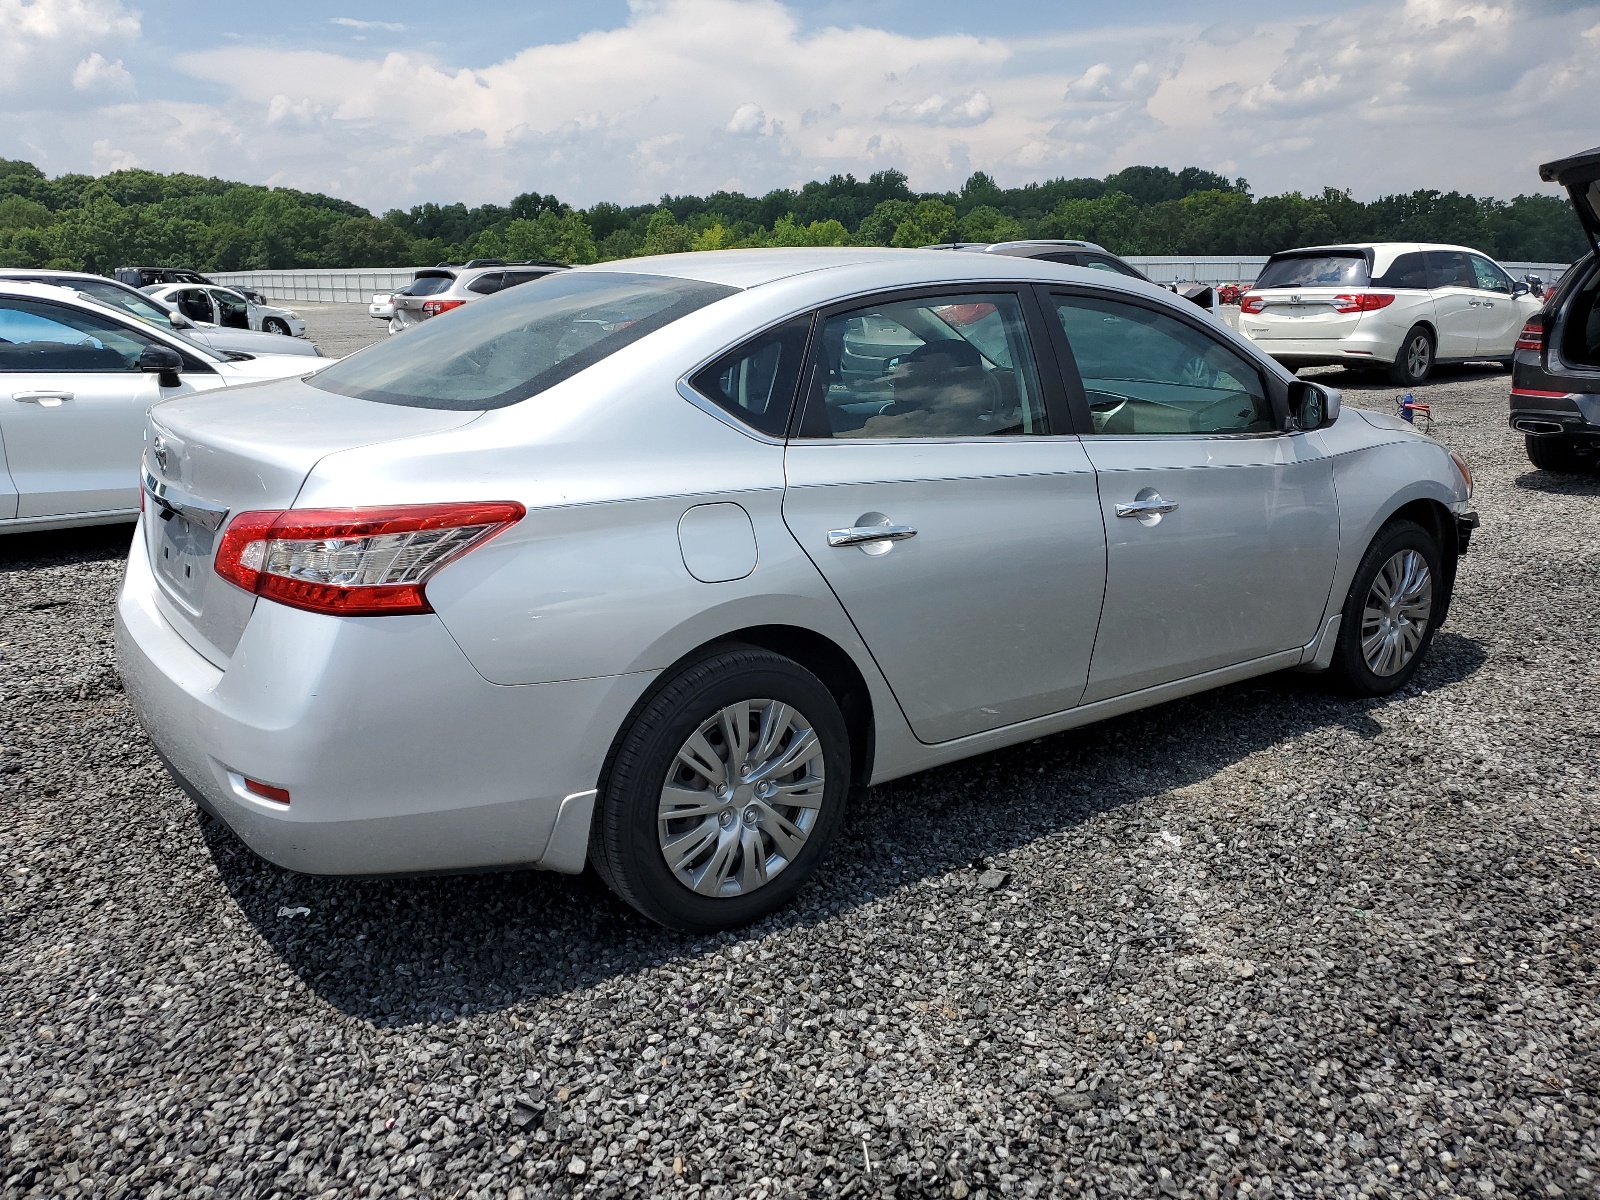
(212, 456)
(1580, 175)
(1303, 314)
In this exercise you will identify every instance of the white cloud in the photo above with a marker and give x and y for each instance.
(384, 26)
(688, 95)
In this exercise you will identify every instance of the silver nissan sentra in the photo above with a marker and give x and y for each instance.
(650, 564)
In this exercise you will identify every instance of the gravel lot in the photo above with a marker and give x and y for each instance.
(1265, 942)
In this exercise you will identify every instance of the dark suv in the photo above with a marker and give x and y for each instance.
(1555, 380)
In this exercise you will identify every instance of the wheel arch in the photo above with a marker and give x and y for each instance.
(1440, 522)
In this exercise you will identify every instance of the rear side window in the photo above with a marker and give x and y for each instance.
(518, 343)
(757, 382)
(1315, 270)
(430, 285)
(487, 285)
(1450, 268)
(1406, 271)
(1104, 262)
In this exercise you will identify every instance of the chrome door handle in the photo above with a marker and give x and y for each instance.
(858, 534)
(1153, 507)
(42, 399)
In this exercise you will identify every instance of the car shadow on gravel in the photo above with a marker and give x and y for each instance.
(1559, 483)
(416, 950)
(26, 551)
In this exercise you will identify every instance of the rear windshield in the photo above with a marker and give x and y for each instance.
(430, 285)
(1315, 270)
(517, 343)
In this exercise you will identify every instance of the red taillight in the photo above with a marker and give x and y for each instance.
(1349, 302)
(1532, 335)
(434, 307)
(1251, 304)
(355, 561)
(266, 791)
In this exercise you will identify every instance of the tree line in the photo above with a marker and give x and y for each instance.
(138, 217)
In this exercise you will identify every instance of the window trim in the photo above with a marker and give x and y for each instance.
(1276, 391)
(1045, 368)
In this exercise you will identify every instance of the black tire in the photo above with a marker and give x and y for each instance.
(625, 840)
(275, 325)
(1414, 362)
(1562, 454)
(1350, 670)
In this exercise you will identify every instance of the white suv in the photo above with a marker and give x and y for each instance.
(1400, 306)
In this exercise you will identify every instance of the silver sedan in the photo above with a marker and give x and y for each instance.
(654, 564)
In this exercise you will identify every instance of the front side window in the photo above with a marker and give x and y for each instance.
(517, 343)
(36, 336)
(1487, 277)
(1315, 270)
(757, 381)
(1450, 268)
(954, 366)
(487, 284)
(1149, 373)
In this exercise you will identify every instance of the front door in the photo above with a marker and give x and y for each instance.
(1455, 303)
(1221, 533)
(1501, 315)
(979, 597)
(233, 310)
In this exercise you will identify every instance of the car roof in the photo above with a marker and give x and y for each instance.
(890, 267)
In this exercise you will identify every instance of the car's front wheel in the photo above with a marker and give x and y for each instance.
(1562, 454)
(723, 792)
(1414, 362)
(1390, 614)
(275, 325)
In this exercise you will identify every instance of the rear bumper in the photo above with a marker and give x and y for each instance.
(1549, 413)
(398, 757)
(1372, 347)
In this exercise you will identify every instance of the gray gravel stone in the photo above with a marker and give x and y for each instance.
(1264, 942)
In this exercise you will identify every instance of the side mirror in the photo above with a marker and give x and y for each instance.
(1520, 289)
(164, 360)
(1312, 406)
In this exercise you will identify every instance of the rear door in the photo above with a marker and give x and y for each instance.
(926, 420)
(1456, 311)
(1222, 531)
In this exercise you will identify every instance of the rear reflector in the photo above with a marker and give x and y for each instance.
(355, 561)
(1537, 394)
(266, 791)
(1532, 335)
(1350, 302)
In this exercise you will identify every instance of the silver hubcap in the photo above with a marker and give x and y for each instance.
(741, 798)
(1417, 355)
(1395, 617)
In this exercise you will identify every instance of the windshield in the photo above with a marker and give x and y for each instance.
(136, 304)
(517, 343)
(1315, 270)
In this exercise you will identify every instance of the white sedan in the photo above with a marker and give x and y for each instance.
(1398, 307)
(81, 377)
(226, 307)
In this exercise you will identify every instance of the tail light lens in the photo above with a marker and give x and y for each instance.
(355, 561)
(1532, 335)
(1349, 302)
(434, 307)
(1251, 304)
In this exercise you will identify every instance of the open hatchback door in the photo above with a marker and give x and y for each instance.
(1580, 175)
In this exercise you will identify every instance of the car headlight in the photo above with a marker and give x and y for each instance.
(1466, 471)
(289, 312)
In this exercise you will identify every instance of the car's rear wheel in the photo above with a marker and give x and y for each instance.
(1562, 454)
(1414, 362)
(723, 792)
(275, 325)
(1389, 616)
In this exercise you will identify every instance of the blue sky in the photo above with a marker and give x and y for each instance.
(401, 102)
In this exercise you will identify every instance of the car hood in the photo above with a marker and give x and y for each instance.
(249, 341)
(269, 366)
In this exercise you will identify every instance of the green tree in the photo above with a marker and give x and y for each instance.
(931, 221)
(988, 224)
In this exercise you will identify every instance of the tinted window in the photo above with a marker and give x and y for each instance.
(513, 278)
(954, 366)
(487, 284)
(1450, 268)
(757, 382)
(1487, 277)
(517, 343)
(1071, 260)
(53, 337)
(1146, 372)
(1406, 271)
(430, 285)
(1103, 262)
(1315, 270)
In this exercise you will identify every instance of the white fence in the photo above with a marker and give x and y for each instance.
(358, 286)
